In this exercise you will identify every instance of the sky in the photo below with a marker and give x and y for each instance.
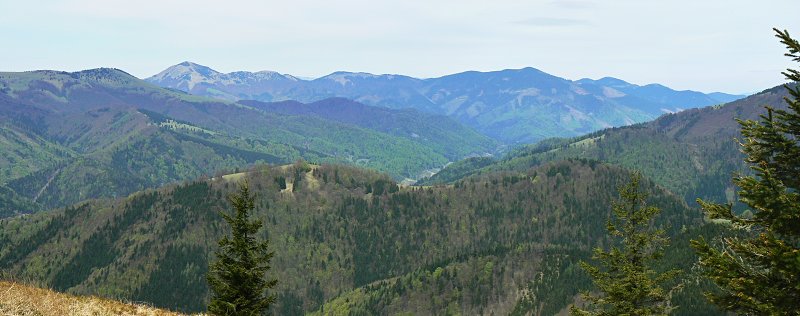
(705, 45)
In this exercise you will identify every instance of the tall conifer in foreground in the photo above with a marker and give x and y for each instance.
(238, 278)
(625, 279)
(759, 273)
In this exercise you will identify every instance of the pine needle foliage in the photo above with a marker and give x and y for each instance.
(758, 269)
(238, 278)
(625, 282)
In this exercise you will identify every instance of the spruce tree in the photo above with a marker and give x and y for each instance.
(626, 283)
(238, 278)
(758, 268)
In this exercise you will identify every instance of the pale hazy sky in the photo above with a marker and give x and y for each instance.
(685, 44)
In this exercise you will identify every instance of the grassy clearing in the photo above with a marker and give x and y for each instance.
(234, 176)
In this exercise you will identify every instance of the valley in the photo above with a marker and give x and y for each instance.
(398, 158)
(112, 134)
(479, 233)
(691, 153)
(113, 187)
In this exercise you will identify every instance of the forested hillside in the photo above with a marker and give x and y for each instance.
(503, 236)
(443, 135)
(68, 137)
(692, 153)
(470, 247)
(520, 158)
(457, 170)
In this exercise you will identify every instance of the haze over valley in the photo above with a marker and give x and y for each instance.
(488, 159)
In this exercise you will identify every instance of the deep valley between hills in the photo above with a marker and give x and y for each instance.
(474, 193)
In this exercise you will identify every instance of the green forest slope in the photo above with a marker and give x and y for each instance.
(67, 137)
(692, 153)
(471, 246)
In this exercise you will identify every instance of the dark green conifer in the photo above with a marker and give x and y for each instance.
(237, 278)
(626, 283)
(281, 182)
(758, 269)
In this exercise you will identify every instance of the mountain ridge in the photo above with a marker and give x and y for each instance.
(510, 105)
(692, 153)
(102, 132)
(333, 229)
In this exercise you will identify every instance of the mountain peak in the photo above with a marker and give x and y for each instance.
(608, 82)
(192, 65)
(529, 69)
(106, 76)
(352, 74)
(104, 70)
(658, 86)
(186, 75)
(613, 81)
(525, 70)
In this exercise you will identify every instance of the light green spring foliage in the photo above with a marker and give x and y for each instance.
(625, 281)
(758, 271)
(237, 278)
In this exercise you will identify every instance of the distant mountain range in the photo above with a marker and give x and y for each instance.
(67, 137)
(504, 236)
(691, 153)
(513, 105)
(501, 227)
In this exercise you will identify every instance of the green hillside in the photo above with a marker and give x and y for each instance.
(442, 134)
(14, 204)
(336, 230)
(692, 153)
(68, 137)
(457, 170)
(24, 152)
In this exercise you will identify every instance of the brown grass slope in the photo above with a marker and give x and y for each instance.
(21, 299)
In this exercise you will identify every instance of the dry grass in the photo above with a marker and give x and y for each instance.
(233, 176)
(20, 299)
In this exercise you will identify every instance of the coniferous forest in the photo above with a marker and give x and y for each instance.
(511, 192)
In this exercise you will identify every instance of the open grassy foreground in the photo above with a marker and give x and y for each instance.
(20, 299)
